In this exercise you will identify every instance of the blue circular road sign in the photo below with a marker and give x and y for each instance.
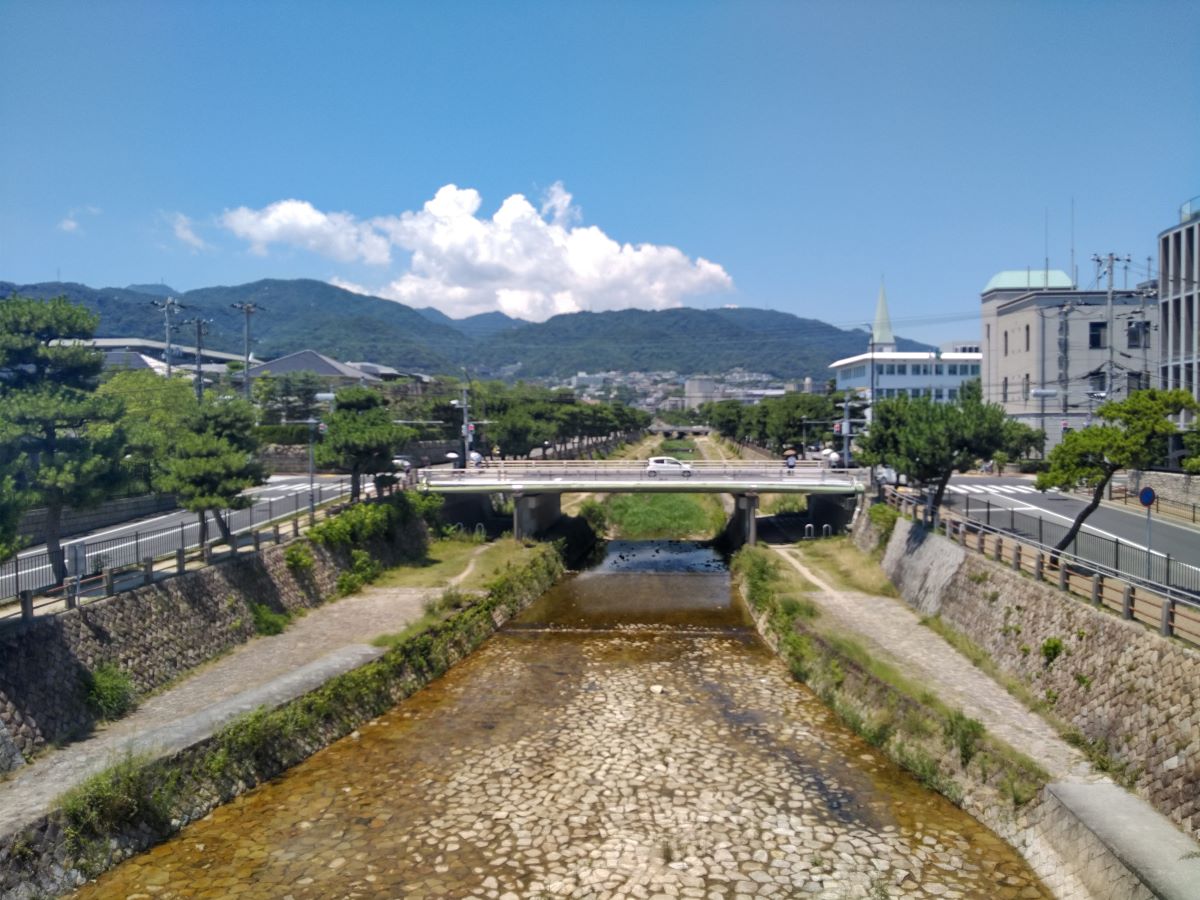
(1146, 496)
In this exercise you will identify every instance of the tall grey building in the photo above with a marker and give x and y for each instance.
(1053, 353)
(1179, 303)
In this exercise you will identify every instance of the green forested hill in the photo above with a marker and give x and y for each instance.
(299, 314)
(688, 341)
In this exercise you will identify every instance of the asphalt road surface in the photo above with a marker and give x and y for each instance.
(1128, 524)
(154, 535)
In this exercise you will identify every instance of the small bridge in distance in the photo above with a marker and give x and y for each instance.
(537, 486)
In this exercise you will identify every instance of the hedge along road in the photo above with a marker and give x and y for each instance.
(628, 736)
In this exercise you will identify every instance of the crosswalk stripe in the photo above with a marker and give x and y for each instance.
(954, 488)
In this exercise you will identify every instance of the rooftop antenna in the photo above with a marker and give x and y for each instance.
(1074, 268)
(1046, 247)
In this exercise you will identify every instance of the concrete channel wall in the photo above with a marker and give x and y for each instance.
(295, 717)
(1128, 693)
(154, 634)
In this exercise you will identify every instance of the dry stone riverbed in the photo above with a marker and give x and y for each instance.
(628, 737)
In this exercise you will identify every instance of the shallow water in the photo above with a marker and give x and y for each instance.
(628, 736)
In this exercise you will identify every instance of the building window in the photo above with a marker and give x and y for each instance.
(901, 368)
(1139, 335)
(975, 369)
(952, 394)
(1004, 390)
(952, 369)
(1026, 338)
(890, 369)
(1025, 388)
(1096, 383)
(1097, 335)
(1006, 343)
(937, 394)
(1137, 382)
(937, 369)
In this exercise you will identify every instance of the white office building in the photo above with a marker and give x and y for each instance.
(884, 372)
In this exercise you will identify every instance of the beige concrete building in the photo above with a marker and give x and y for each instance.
(1179, 303)
(1053, 353)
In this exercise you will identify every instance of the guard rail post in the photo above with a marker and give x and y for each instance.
(1096, 583)
(257, 538)
(1038, 562)
(71, 591)
(295, 528)
(26, 605)
(1168, 611)
(108, 581)
(147, 570)
(999, 549)
(180, 560)
(1127, 602)
(278, 536)
(1016, 560)
(1062, 574)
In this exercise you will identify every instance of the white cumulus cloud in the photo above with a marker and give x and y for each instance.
(297, 222)
(182, 226)
(526, 261)
(70, 222)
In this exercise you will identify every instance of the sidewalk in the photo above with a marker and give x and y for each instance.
(1140, 840)
(328, 640)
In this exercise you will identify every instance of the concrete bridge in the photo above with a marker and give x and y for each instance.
(678, 431)
(537, 486)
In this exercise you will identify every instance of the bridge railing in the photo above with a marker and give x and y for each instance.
(1173, 612)
(598, 470)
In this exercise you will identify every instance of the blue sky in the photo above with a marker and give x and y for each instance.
(781, 155)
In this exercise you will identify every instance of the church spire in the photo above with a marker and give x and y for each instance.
(881, 335)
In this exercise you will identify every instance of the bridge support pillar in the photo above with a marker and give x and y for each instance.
(745, 524)
(534, 512)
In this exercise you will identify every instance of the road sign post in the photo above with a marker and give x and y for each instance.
(1147, 497)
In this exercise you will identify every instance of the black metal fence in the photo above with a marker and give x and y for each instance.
(36, 572)
(1113, 553)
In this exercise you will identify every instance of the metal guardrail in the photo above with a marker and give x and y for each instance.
(1170, 610)
(92, 563)
(1190, 511)
(1113, 553)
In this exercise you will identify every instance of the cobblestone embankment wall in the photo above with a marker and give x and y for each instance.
(1130, 693)
(55, 853)
(154, 634)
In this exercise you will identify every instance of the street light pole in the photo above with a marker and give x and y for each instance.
(312, 500)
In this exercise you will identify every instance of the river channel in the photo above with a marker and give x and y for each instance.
(628, 736)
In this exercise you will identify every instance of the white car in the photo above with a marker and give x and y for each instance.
(667, 465)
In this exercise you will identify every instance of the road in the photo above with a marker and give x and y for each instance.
(1059, 510)
(160, 534)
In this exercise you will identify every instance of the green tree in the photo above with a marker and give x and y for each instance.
(928, 441)
(213, 461)
(156, 414)
(361, 436)
(62, 442)
(790, 419)
(1132, 434)
(1020, 440)
(298, 395)
(1191, 451)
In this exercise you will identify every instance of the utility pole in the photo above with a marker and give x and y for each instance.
(248, 309)
(201, 330)
(1107, 263)
(168, 306)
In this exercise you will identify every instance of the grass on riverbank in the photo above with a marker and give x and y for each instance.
(448, 557)
(845, 566)
(680, 448)
(646, 516)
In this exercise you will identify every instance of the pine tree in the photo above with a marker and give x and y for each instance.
(361, 436)
(62, 442)
(214, 462)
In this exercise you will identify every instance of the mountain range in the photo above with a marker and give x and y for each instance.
(302, 314)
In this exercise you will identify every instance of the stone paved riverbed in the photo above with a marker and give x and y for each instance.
(574, 756)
